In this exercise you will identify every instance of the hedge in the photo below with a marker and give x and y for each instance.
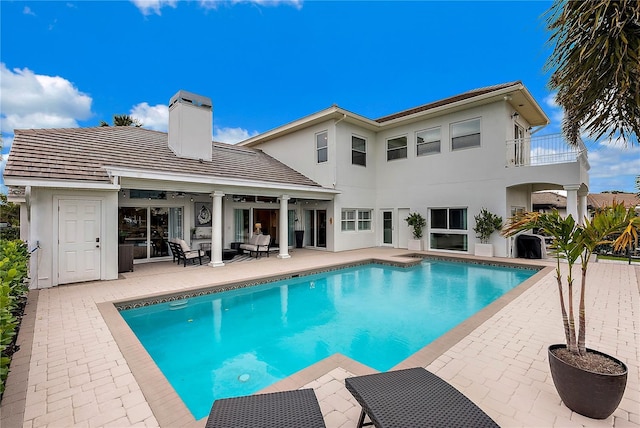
(14, 286)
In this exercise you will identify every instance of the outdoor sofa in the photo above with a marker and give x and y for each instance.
(258, 244)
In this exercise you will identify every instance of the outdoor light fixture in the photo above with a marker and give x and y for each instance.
(515, 114)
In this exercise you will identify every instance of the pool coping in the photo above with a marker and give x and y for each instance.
(168, 407)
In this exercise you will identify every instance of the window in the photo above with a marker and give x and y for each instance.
(428, 141)
(364, 220)
(465, 134)
(349, 222)
(397, 148)
(322, 150)
(358, 151)
(516, 211)
(448, 229)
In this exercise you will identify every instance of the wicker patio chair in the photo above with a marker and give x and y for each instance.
(413, 398)
(288, 409)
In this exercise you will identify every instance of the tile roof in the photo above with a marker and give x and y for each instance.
(550, 199)
(81, 154)
(598, 200)
(450, 100)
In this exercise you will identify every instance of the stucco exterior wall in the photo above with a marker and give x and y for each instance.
(472, 178)
(43, 232)
(298, 150)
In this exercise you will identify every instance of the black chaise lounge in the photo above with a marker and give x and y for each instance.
(288, 409)
(414, 398)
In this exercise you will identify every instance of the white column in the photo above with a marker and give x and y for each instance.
(283, 231)
(216, 230)
(572, 202)
(583, 211)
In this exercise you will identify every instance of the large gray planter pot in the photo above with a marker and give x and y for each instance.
(594, 395)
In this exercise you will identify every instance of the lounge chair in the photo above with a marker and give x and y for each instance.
(182, 252)
(413, 398)
(258, 244)
(295, 409)
(174, 251)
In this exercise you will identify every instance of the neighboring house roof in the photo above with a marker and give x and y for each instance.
(598, 200)
(548, 199)
(87, 154)
(514, 93)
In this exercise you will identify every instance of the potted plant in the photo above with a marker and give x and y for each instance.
(416, 222)
(589, 382)
(486, 224)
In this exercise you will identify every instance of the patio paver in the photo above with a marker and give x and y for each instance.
(70, 370)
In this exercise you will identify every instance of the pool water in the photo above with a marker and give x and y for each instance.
(238, 342)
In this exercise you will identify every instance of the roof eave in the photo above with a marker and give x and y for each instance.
(59, 184)
(541, 118)
(214, 181)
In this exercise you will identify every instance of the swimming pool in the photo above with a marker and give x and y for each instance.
(238, 342)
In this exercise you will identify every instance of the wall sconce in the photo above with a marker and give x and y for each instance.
(515, 115)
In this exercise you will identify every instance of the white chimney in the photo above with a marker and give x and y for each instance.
(190, 123)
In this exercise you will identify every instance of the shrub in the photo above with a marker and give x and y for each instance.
(486, 224)
(417, 222)
(13, 293)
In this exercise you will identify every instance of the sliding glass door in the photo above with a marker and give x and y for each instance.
(148, 229)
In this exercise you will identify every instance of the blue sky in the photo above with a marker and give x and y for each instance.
(266, 63)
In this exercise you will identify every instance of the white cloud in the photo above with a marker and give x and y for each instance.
(614, 167)
(148, 7)
(30, 100)
(152, 117)
(232, 135)
(157, 118)
(27, 11)
(556, 112)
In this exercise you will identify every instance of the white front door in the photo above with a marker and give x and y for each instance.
(79, 240)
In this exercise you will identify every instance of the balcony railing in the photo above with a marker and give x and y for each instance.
(543, 150)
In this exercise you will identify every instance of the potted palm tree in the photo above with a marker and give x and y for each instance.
(589, 382)
(486, 224)
(416, 222)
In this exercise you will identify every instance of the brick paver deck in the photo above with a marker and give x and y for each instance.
(71, 372)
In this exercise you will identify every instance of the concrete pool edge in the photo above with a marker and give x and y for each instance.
(169, 409)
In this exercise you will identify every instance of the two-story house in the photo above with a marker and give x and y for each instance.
(342, 180)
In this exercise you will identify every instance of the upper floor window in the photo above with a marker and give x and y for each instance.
(428, 141)
(358, 151)
(397, 148)
(465, 134)
(322, 149)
